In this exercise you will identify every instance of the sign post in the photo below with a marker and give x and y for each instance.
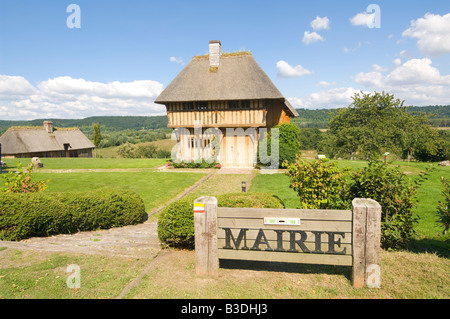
(205, 228)
(325, 237)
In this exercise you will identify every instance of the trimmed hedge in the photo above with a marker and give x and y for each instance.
(176, 221)
(44, 214)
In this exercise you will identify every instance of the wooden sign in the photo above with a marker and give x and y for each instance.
(330, 237)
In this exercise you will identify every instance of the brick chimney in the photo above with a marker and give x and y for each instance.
(214, 53)
(48, 126)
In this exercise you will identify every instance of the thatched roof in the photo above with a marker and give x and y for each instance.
(25, 140)
(238, 77)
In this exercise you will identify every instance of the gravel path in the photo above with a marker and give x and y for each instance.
(129, 241)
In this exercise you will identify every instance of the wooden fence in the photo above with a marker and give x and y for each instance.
(330, 237)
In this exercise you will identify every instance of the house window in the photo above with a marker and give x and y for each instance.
(188, 106)
(245, 104)
(233, 105)
(202, 106)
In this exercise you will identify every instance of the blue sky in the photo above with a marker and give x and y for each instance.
(318, 53)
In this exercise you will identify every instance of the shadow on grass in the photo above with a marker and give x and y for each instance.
(427, 245)
(285, 267)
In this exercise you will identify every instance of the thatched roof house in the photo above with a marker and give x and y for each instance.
(238, 77)
(223, 90)
(45, 141)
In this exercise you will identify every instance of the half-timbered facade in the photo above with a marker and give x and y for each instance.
(227, 92)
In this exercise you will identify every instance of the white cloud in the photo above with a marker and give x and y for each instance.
(311, 37)
(363, 19)
(65, 97)
(405, 54)
(359, 45)
(326, 83)
(397, 62)
(378, 68)
(285, 70)
(333, 98)
(320, 23)
(176, 60)
(15, 85)
(371, 79)
(414, 71)
(416, 81)
(432, 32)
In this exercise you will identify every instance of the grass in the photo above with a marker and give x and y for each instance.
(25, 274)
(404, 275)
(419, 272)
(89, 163)
(155, 188)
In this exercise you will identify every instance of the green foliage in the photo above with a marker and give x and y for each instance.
(176, 221)
(21, 182)
(193, 164)
(310, 138)
(379, 123)
(443, 209)
(320, 184)
(249, 200)
(44, 214)
(313, 118)
(97, 136)
(117, 138)
(289, 144)
(129, 150)
(396, 194)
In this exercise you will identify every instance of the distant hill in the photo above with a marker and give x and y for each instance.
(438, 116)
(108, 123)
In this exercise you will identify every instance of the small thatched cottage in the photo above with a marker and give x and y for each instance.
(46, 141)
(224, 90)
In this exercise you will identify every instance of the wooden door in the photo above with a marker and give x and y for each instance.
(238, 150)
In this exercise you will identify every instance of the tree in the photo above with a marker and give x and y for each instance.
(97, 135)
(444, 206)
(378, 123)
(289, 144)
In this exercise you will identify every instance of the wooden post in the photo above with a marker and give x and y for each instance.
(205, 228)
(366, 243)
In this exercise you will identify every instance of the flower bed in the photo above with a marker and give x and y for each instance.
(192, 164)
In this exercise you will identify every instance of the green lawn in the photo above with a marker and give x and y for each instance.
(155, 188)
(90, 163)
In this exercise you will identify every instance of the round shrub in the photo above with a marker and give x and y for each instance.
(396, 194)
(249, 200)
(176, 221)
(44, 214)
